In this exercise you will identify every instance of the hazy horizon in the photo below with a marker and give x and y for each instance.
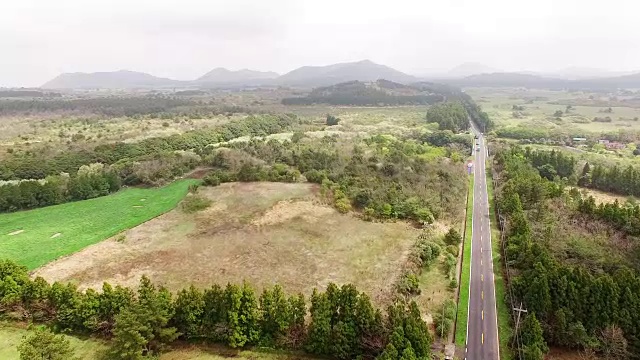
(184, 40)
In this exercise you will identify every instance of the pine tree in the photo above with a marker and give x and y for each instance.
(319, 334)
(189, 305)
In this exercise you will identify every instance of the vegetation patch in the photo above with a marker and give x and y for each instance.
(82, 222)
(264, 233)
(465, 274)
(505, 331)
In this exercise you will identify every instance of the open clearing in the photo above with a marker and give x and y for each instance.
(88, 349)
(264, 233)
(36, 237)
(540, 105)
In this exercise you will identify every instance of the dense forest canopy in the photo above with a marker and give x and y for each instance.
(379, 93)
(576, 306)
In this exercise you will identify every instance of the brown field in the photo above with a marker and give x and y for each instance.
(265, 233)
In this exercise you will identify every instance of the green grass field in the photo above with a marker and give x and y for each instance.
(36, 237)
(463, 298)
(504, 325)
(88, 349)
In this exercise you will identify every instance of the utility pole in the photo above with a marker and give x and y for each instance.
(442, 325)
(520, 310)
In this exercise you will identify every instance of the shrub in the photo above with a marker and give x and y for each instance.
(452, 237)
(332, 120)
(409, 285)
(195, 203)
(211, 180)
(453, 250)
(343, 205)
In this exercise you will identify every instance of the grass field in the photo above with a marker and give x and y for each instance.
(36, 237)
(463, 298)
(504, 322)
(540, 106)
(264, 233)
(90, 349)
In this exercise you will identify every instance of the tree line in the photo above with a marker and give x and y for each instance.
(340, 322)
(574, 307)
(89, 182)
(611, 179)
(625, 218)
(551, 163)
(449, 116)
(35, 180)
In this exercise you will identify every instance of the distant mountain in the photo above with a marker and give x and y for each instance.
(581, 73)
(364, 70)
(470, 68)
(225, 76)
(122, 79)
(631, 81)
(505, 79)
(542, 82)
(360, 93)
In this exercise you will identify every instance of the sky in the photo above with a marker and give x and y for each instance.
(184, 39)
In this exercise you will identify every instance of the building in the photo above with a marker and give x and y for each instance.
(614, 145)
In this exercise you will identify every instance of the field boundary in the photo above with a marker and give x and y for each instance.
(505, 330)
(465, 272)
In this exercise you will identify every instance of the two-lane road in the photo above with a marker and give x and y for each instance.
(482, 325)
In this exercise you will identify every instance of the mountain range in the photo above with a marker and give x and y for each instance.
(306, 76)
(465, 75)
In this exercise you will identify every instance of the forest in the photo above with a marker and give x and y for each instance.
(339, 323)
(357, 93)
(568, 304)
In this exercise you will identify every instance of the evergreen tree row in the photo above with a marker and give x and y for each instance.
(449, 116)
(340, 323)
(574, 307)
(611, 179)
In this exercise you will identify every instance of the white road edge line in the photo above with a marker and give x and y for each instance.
(473, 201)
(495, 304)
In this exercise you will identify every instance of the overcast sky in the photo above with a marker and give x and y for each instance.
(183, 39)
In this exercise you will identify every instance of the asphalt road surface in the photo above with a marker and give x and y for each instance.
(482, 325)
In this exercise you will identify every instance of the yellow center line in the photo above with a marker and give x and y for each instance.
(481, 277)
(482, 338)
(482, 294)
(482, 314)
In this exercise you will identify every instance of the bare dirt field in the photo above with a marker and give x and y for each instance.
(264, 233)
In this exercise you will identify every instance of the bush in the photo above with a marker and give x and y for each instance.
(343, 205)
(43, 344)
(211, 180)
(332, 120)
(409, 285)
(193, 203)
(453, 250)
(452, 237)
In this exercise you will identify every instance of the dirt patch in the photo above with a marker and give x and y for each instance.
(287, 210)
(15, 232)
(55, 235)
(264, 233)
(198, 173)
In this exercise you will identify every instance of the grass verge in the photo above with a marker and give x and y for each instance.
(504, 325)
(36, 237)
(89, 348)
(465, 273)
